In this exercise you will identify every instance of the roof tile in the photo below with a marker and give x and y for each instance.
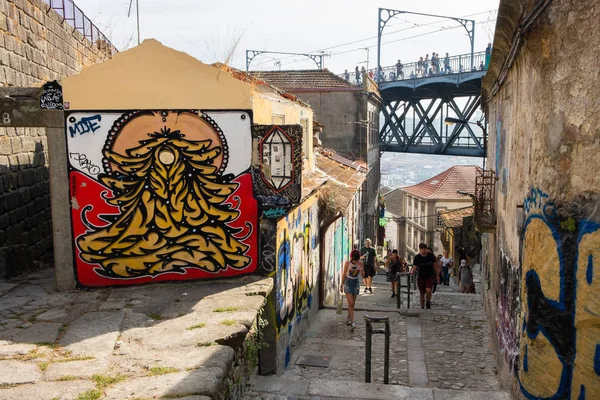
(447, 184)
(303, 79)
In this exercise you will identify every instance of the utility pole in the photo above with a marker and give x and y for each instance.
(137, 7)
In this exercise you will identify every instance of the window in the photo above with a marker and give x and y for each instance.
(409, 208)
(439, 221)
(277, 119)
(422, 237)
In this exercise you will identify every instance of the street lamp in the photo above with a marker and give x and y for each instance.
(386, 14)
(452, 121)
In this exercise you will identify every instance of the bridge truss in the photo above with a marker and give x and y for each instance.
(414, 113)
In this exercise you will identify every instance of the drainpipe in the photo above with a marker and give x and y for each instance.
(322, 231)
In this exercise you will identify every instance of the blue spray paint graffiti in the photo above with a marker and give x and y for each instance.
(561, 308)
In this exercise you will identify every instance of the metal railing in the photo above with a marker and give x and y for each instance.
(78, 20)
(368, 354)
(409, 278)
(420, 69)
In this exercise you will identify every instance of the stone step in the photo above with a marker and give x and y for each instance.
(279, 388)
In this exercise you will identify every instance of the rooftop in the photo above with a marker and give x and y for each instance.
(304, 79)
(394, 201)
(454, 218)
(447, 184)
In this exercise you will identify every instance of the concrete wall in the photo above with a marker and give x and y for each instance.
(541, 262)
(340, 112)
(35, 47)
(266, 104)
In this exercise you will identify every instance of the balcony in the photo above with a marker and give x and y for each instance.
(485, 196)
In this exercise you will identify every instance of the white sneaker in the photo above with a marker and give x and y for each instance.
(353, 325)
(348, 322)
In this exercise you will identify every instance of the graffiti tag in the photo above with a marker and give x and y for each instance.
(85, 164)
(85, 125)
(274, 213)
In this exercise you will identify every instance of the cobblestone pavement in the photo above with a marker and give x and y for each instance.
(153, 341)
(442, 353)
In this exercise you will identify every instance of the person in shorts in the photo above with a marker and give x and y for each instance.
(369, 257)
(350, 284)
(465, 277)
(429, 274)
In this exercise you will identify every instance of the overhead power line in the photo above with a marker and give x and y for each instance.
(398, 40)
(415, 25)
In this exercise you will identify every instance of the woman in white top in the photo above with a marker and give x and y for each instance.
(350, 284)
(447, 263)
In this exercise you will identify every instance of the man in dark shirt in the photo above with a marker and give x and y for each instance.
(368, 258)
(428, 273)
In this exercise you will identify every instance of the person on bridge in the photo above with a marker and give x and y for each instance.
(357, 74)
(399, 70)
(488, 55)
(426, 65)
(347, 76)
(369, 257)
(350, 285)
(447, 69)
(428, 271)
(420, 67)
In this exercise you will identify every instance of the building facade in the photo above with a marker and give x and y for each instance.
(541, 270)
(350, 119)
(424, 202)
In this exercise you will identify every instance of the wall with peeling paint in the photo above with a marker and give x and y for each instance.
(540, 266)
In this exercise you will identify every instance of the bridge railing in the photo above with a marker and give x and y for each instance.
(81, 23)
(421, 69)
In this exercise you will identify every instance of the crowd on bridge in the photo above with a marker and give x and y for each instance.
(425, 67)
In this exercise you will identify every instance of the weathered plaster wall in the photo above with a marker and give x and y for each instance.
(296, 281)
(265, 105)
(35, 47)
(340, 113)
(540, 264)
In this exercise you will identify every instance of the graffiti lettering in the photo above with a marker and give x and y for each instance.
(85, 163)
(561, 309)
(85, 125)
(5, 118)
(274, 213)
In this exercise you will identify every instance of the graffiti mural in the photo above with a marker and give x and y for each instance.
(507, 316)
(297, 272)
(156, 196)
(560, 335)
(277, 169)
(335, 253)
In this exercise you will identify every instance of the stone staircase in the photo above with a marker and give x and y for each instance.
(280, 388)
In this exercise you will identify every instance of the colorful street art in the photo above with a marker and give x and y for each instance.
(277, 171)
(336, 251)
(297, 272)
(156, 195)
(560, 343)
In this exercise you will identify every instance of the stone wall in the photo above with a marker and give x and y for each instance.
(539, 265)
(36, 46)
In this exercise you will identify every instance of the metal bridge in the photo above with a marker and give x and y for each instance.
(416, 103)
(418, 97)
